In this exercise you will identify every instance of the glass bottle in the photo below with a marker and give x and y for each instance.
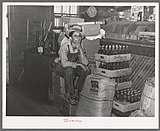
(116, 50)
(120, 49)
(103, 49)
(100, 65)
(106, 50)
(109, 66)
(117, 65)
(117, 95)
(109, 49)
(100, 49)
(127, 49)
(113, 49)
(123, 49)
(113, 65)
(103, 65)
(132, 98)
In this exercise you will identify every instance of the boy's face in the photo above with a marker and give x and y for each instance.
(76, 38)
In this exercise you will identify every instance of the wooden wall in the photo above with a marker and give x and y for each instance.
(17, 16)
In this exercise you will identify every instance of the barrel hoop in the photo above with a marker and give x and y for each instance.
(150, 84)
(148, 97)
(95, 99)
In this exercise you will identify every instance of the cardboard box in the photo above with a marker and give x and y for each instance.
(72, 20)
(65, 108)
(133, 37)
(124, 85)
(114, 73)
(91, 29)
(126, 107)
(91, 47)
(113, 58)
(114, 36)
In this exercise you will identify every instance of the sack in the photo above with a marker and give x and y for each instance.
(99, 87)
(90, 107)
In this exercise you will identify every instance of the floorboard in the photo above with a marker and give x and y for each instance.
(20, 102)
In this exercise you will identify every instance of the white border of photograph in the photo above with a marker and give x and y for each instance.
(38, 122)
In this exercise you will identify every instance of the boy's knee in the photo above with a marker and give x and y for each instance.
(86, 72)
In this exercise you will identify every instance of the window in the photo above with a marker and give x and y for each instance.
(66, 10)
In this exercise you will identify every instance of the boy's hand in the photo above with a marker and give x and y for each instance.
(81, 65)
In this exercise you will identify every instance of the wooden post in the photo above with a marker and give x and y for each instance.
(27, 32)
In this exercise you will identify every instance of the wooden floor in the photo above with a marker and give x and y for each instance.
(20, 102)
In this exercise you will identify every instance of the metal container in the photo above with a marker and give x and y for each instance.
(148, 98)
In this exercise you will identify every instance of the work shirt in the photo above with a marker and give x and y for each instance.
(62, 38)
(63, 54)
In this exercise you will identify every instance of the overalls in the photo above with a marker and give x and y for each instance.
(70, 73)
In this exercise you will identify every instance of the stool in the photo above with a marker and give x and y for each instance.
(65, 108)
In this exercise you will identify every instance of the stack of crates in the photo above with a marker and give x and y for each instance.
(113, 61)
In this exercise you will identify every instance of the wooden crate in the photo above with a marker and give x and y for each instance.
(113, 58)
(123, 85)
(114, 73)
(126, 107)
(65, 108)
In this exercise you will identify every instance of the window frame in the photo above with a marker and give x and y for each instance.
(61, 14)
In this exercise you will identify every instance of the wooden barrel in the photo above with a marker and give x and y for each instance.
(137, 113)
(148, 98)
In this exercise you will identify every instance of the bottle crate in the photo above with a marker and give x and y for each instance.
(113, 58)
(117, 113)
(124, 85)
(113, 73)
(126, 106)
(127, 99)
(113, 65)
